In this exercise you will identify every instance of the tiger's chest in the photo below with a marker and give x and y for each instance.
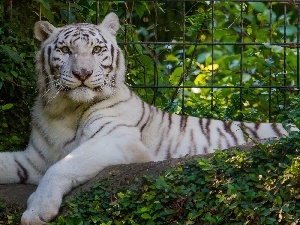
(62, 135)
(68, 130)
(55, 128)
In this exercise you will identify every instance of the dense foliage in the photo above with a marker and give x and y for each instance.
(17, 49)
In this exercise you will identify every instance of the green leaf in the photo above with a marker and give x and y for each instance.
(261, 17)
(290, 30)
(14, 73)
(143, 209)
(249, 30)
(48, 13)
(258, 6)
(146, 216)
(15, 138)
(175, 76)
(45, 3)
(278, 200)
(121, 195)
(266, 212)
(7, 106)
(172, 58)
(140, 8)
(161, 183)
(14, 55)
(105, 7)
(208, 61)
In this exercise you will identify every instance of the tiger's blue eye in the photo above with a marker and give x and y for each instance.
(66, 50)
(97, 49)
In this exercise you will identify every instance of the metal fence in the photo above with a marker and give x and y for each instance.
(183, 55)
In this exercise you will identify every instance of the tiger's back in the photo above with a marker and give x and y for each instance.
(169, 135)
(86, 118)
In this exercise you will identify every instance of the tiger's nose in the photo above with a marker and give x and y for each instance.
(83, 74)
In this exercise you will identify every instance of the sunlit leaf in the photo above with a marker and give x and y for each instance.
(7, 106)
(171, 57)
(175, 76)
(258, 6)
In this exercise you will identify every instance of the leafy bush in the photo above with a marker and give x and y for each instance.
(17, 83)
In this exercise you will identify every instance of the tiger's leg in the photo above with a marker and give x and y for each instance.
(21, 167)
(76, 168)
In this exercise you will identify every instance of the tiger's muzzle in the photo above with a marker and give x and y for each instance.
(82, 74)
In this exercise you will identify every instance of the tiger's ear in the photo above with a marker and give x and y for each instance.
(111, 22)
(42, 30)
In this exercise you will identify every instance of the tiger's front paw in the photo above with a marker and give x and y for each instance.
(30, 217)
(40, 209)
(37, 217)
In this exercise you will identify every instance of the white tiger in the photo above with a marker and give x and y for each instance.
(85, 118)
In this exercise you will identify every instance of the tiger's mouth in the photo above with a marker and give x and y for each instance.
(82, 87)
(82, 93)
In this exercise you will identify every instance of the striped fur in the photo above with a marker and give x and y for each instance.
(85, 118)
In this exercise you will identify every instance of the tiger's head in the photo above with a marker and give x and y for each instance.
(82, 61)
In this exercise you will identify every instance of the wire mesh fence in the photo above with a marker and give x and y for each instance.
(225, 59)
